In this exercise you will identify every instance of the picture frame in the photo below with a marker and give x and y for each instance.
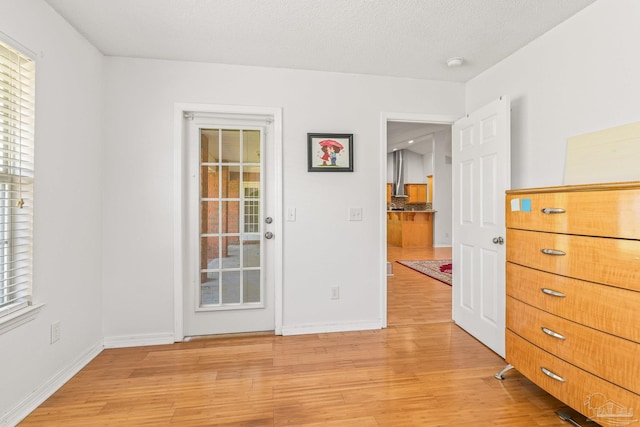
(330, 152)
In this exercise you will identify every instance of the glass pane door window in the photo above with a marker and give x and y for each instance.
(230, 212)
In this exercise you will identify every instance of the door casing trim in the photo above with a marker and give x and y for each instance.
(179, 129)
(384, 118)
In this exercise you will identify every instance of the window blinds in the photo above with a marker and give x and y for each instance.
(17, 81)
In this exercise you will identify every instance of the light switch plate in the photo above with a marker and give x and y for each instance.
(291, 214)
(355, 214)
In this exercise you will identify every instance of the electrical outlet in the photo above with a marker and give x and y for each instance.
(335, 292)
(55, 331)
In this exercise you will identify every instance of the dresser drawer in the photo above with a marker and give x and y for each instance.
(606, 308)
(614, 262)
(592, 213)
(601, 354)
(594, 397)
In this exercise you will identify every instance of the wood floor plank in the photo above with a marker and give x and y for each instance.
(412, 297)
(421, 371)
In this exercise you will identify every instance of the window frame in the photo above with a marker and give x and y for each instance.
(17, 178)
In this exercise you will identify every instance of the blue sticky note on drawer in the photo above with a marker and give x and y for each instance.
(526, 205)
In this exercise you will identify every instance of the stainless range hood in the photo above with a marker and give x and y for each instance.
(398, 174)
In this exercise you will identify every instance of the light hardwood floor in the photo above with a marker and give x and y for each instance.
(413, 298)
(421, 371)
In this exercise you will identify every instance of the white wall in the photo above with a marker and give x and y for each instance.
(414, 168)
(428, 162)
(580, 77)
(417, 167)
(442, 188)
(321, 248)
(67, 248)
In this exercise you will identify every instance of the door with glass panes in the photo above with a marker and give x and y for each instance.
(231, 287)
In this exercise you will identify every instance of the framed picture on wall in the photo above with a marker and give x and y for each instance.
(330, 152)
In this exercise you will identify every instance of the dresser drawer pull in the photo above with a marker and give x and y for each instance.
(552, 252)
(551, 374)
(552, 292)
(548, 211)
(552, 334)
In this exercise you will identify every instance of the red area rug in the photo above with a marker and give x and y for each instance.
(438, 269)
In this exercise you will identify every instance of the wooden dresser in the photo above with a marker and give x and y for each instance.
(573, 295)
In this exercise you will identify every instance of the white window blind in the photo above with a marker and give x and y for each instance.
(17, 81)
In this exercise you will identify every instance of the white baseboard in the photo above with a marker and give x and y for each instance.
(42, 393)
(321, 328)
(139, 340)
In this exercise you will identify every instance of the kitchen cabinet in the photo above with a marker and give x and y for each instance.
(417, 193)
(389, 193)
(410, 229)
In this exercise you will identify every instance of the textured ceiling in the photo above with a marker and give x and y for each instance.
(402, 38)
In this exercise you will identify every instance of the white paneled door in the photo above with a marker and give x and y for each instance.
(229, 277)
(481, 175)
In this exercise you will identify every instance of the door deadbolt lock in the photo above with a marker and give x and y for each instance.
(268, 220)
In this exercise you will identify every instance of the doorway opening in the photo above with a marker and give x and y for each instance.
(412, 297)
